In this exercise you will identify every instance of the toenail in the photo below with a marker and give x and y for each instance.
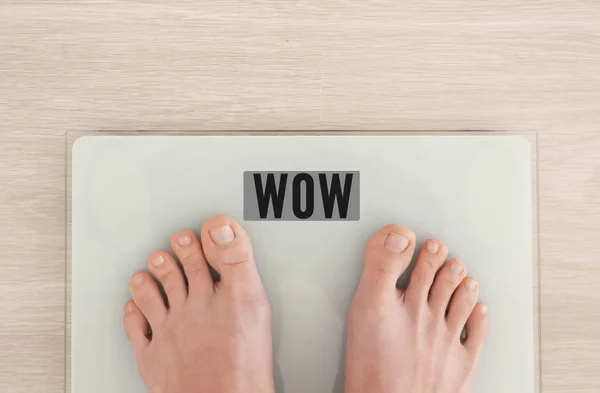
(472, 285)
(158, 261)
(137, 279)
(483, 309)
(222, 235)
(433, 247)
(184, 241)
(128, 309)
(455, 267)
(396, 243)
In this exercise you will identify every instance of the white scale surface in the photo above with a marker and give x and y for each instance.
(131, 194)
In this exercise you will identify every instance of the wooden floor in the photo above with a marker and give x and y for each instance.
(69, 67)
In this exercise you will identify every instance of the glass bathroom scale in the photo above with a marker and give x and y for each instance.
(130, 193)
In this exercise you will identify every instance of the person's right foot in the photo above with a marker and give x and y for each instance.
(409, 341)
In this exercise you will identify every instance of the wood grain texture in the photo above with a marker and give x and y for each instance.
(79, 66)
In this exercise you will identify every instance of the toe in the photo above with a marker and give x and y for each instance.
(136, 327)
(477, 329)
(167, 272)
(147, 297)
(387, 256)
(445, 283)
(188, 249)
(461, 305)
(430, 259)
(228, 249)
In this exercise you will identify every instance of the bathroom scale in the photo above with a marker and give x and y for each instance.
(130, 194)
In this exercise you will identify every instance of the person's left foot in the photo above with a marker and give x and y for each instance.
(213, 336)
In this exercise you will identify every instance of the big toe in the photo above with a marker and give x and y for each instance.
(228, 250)
(387, 255)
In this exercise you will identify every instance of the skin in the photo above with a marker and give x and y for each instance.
(216, 336)
(410, 340)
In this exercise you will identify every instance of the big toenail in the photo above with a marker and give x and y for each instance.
(483, 309)
(433, 247)
(184, 241)
(222, 235)
(137, 279)
(472, 285)
(158, 261)
(396, 243)
(128, 309)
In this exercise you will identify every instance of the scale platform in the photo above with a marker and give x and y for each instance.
(130, 194)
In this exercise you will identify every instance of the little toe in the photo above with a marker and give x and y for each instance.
(188, 249)
(136, 327)
(387, 255)
(430, 259)
(461, 305)
(444, 285)
(477, 328)
(229, 251)
(147, 297)
(164, 267)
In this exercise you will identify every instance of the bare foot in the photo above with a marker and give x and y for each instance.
(410, 341)
(212, 337)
